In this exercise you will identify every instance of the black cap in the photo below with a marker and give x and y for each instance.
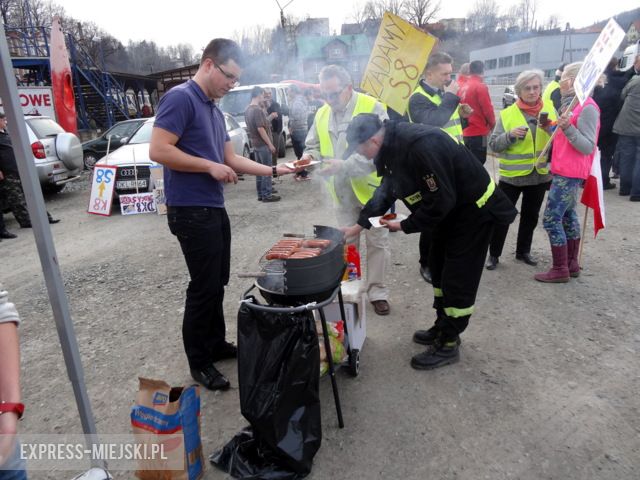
(362, 128)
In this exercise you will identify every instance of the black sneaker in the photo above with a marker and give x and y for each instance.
(272, 198)
(226, 350)
(492, 262)
(210, 378)
(437, 356)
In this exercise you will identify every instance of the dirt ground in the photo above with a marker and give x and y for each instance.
(547, 387)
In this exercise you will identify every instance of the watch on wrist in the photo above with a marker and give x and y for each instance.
(274, 171)
(17, 408)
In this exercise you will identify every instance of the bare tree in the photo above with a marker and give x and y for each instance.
(510, 20)
(527, 9)
(483, 16)
(552, 23)
(419, 12)
(256, 40)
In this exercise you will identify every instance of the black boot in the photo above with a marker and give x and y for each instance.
(51, 219)
(437, 355)
(4, 233)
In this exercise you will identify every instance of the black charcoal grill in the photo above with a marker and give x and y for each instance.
(299, 281)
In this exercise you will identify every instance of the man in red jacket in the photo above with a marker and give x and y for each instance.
(479, 125)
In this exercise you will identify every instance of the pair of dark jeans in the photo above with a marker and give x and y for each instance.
(628, 148)
(478, 146)
(297, 140)
(264, 184)
(532, 197)
(204, 234)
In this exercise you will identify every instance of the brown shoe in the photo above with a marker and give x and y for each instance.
(381, 307)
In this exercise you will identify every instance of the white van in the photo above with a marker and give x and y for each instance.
(237, 100)
(629, 56)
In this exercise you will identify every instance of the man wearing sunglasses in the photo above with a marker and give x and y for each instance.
(190, 140)
(351, 178)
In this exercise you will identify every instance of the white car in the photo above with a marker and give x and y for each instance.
(56, 153)
(130, 172)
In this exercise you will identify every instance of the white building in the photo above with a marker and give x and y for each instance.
(502, 63)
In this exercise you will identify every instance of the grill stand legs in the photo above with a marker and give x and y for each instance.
(332, 371)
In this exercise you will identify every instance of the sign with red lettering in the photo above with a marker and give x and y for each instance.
(136, 203)
(36, 101)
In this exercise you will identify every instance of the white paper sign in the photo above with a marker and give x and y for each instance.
(597, 59)
(104, 179)
(36, 101)
(136, 203)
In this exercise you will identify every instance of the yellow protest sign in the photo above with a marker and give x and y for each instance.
(397, 60)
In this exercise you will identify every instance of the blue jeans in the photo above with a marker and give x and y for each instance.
(628, 149)
(263, 184)
(560, 217)
(204, 234)
(14, 468)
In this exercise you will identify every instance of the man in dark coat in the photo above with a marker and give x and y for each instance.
(450, 195)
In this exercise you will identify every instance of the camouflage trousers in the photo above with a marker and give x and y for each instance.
(12, 198)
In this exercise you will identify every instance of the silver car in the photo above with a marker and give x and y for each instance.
(56, 153)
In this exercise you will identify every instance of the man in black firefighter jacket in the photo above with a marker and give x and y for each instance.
(449, 194)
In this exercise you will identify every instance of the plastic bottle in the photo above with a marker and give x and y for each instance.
(353, 263)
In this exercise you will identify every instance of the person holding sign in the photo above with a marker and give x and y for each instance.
(189, 138)
(574, 147)
(517, 141)
(452, 197)
(435, 102)
(351, 179)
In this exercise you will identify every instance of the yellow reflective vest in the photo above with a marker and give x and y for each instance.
(454, 126)
(363, 187)
(520, 158)
(546, 95)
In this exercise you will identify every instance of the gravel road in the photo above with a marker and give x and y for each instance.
(548, 385)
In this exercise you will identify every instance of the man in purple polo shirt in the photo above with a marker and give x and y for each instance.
(189, 138)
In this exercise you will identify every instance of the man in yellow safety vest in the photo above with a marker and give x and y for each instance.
(351, 179)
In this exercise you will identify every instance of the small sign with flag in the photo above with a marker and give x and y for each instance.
(592, 195)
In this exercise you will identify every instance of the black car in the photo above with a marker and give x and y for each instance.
(95, 149)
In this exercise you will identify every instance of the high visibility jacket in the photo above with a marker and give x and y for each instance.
(546, 95)
(454, 126)
(363, 187)
(520, 158)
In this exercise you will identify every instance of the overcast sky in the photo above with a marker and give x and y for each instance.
(197, 22)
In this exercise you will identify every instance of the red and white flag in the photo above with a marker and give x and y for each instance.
(592, 195)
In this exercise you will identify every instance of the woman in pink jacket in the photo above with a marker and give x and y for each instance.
(574, 147)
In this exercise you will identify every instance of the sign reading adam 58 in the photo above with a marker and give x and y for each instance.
(36, 101)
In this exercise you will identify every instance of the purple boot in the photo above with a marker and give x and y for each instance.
(559, 272)
(573, 252)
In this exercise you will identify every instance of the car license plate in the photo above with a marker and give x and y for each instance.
(123, 184)
(60, 176)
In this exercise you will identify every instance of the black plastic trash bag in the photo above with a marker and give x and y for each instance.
(278, 374)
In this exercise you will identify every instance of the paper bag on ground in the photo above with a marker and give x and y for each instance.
(171, 417)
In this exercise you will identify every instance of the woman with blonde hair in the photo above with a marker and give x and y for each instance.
(574, 147)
